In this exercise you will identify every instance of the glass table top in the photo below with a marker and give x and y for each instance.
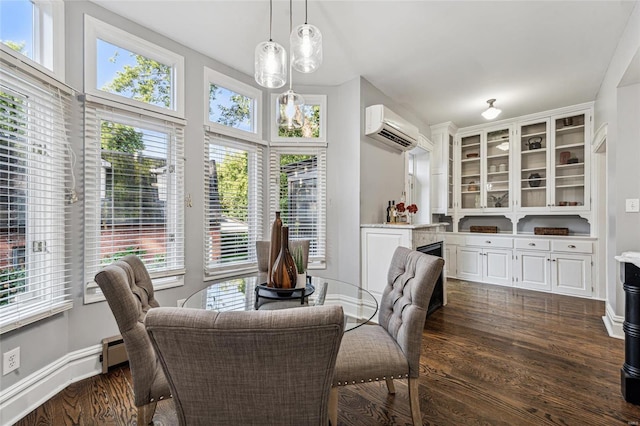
(241, 294)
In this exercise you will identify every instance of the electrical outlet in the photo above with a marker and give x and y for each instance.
(10, 361)
(632, 205)
(180, 302)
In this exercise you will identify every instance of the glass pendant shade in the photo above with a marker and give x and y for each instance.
(491, 112)
(306, 48)
(270, 65)
(289, 104)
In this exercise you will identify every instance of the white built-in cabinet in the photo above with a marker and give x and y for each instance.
(486, 260)
(560, 266)
(538, 164)
(484, 170)
(442, 168)
(379, 242)
(554, 164)
(552, 264)
(519, 174)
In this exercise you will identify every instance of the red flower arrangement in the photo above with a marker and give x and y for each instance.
(411, 208)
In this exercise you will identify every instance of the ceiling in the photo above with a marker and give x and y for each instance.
(441, 59)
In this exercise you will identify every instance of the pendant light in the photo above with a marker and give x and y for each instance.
(289, 103)
(270, 60)
(491, 112)
(306, 46)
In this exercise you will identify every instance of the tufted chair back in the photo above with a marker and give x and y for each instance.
(411, 279)
(128, 289)
(391, 349)
(249, 368)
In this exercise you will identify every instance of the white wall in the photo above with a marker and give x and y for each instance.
(47, 342)
(382, 168)
(614, 106)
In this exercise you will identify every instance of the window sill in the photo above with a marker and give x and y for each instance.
(93, 294)
(34, 316)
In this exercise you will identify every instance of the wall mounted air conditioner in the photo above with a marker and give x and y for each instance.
(386, 126)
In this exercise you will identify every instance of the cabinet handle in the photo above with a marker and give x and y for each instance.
(553, 260)
(548, 260)
(572, 246)
(532, 244)
(488, 242)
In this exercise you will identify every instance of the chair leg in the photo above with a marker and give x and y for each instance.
(145, 413)
(390, 386)
(333, 406)
(414, 401)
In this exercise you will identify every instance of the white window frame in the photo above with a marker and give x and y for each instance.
(222, 80)
(95, 29)
(46, 245)
(257, 151)
(317, 261)
(48, 39)
(93, 171)
(309, 100)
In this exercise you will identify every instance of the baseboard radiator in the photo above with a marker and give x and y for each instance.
(113, 352)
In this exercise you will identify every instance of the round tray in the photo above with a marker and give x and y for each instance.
(280, 291)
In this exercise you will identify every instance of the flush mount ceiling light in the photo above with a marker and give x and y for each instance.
(491, 112)
(270, 60)
(306, 46)
(289, 103)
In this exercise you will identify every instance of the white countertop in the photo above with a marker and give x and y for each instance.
(404, 226)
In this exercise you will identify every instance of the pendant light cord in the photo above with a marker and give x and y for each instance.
(270, 18)
(290, 50)
(305, 12)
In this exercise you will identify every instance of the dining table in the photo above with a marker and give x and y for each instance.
(250, 292)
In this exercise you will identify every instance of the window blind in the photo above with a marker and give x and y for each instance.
(297, 188)
(233, 204)
(134, 197)
(34, 167)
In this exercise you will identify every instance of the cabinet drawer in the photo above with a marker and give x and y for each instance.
(533, 244)
(572, 246)
(490, 242)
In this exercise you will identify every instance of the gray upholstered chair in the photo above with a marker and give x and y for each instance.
(248, 368)
(391, 350)
(127, 287)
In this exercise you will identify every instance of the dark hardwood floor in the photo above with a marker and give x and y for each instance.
(493, 356)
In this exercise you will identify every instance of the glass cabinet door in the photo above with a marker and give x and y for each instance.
(470, 172)
(533, 145)
(569, 162)
(497, 155)
(450, 184)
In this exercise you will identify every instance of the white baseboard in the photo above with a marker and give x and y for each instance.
(613, 323)
(23, 397)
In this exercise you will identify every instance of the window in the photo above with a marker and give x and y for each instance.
(231, 107)
(134, 194)
(297, 189)
(233, 207)
(314, 122)
(128, 69)
(34, 162)
(35, 29)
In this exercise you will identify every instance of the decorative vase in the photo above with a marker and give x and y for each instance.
(301, 280)
(284, 273)
(274, 249)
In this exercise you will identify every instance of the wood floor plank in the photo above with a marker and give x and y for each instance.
(494, 356)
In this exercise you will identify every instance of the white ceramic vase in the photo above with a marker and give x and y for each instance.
(301, 281)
